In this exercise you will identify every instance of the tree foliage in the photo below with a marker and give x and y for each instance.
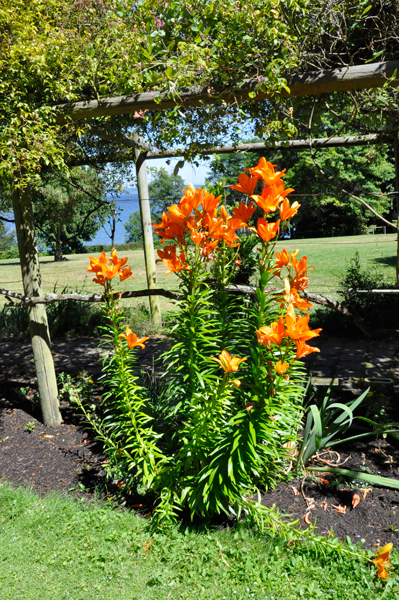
(327, 211)
(362, 171)
(164, 189)
(68, 211)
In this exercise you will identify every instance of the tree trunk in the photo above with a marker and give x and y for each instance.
(38, 325)
(113, 216)
(58, 251)
(149, 252)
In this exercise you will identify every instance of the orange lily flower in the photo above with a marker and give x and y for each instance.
(244, 212)
(170, 259)
(246, 184)
(287, 211)
(170, 230)
(209, 247)
(234, 223)
(265, 170)
(281, 367)
(108, 268)
(192, 196)
(214, 226)
(223, 214)
(125, 273)
(132, 339)
(227, 362)
(267, 201)
(273, 334)
(267, 231)
(382, 560)
(229, 236)
(209, 202)
(197, 237)
(302, 349)
(291, 296)
(298, 327)
(283, 259)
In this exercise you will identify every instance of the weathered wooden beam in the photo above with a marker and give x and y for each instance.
(38, 325)
(333, 142)
(146, 223)
(358, 77)
(52, 298)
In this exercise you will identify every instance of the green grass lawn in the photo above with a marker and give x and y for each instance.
(73, 275)
(56, 547)
(329, 256)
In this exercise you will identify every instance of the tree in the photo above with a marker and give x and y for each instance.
(363, 171)
(68, 211)
(133, 228)
(165, 189)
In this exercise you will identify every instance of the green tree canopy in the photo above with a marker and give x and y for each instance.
(363, 171)
(68, 211)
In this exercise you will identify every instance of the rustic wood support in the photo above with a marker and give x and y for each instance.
(38, 325)
(238, 289)
(149, 251)
(333, 142)
(358, 77)
(52, 298)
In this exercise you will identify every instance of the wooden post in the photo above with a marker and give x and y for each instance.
(396, 147)
(38, 325)
(149, 253)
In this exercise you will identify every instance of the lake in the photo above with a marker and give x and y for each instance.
(126, 204)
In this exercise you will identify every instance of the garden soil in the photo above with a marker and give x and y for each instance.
(68, 459)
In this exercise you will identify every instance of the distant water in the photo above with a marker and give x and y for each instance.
(126, 204)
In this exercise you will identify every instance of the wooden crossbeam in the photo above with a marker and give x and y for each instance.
(312, 83)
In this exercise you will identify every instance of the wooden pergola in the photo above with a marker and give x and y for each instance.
(308, 84)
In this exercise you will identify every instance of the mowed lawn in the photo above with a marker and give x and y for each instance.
(329, 256)
(73, 275)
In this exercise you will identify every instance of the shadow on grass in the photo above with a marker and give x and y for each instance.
(387, 261)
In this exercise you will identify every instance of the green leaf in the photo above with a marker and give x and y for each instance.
(375, 479)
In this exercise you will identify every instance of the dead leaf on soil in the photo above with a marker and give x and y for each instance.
(306, 519)
(340, 509)
(324, 505)
(294, 489)
(365, 491)
(355, 500)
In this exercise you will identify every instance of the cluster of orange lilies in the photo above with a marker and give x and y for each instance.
(291, 326)
(108, 268)
(200, 216)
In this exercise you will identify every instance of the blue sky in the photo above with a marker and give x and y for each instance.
(190, 173)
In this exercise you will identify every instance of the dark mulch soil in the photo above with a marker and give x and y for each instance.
(68, 459)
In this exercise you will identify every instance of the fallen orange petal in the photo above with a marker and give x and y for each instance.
(365, 492)
(355, 500)
(306, 519)
(340, 509)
